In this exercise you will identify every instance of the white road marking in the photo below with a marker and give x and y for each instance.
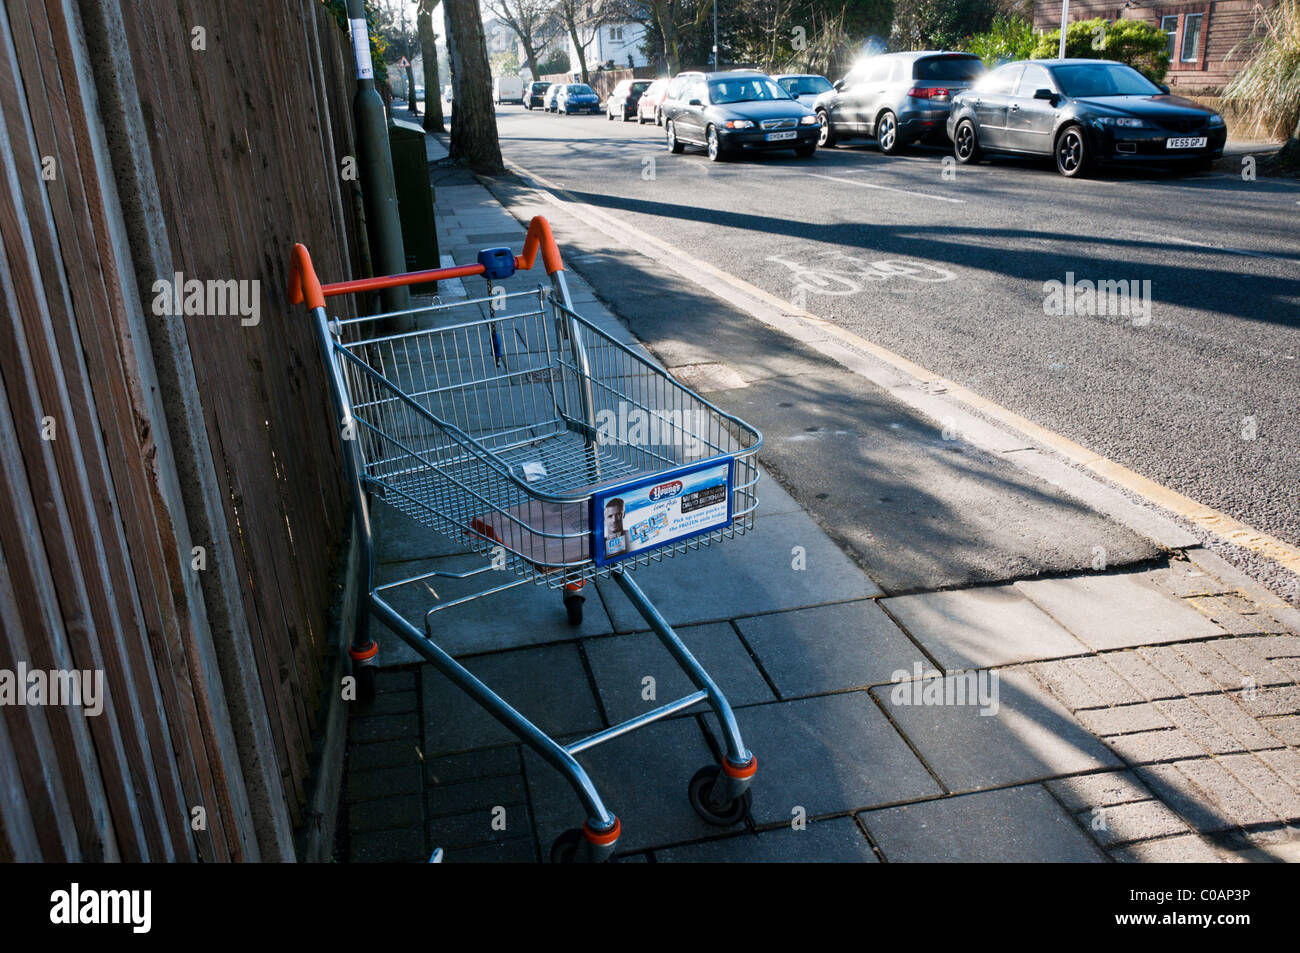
(886, 188)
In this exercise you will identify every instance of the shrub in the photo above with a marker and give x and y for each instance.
(1008, 38)
(1267, 90)
(1143, 46)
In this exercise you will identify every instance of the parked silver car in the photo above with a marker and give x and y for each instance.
(897, 98)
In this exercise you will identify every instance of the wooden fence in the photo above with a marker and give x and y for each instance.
(171, 513)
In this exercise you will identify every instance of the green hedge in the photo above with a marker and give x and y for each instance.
(1143, 46)
(1008, 38)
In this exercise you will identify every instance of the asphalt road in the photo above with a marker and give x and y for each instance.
(947, 266)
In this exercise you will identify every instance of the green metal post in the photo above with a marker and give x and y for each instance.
(375, 166)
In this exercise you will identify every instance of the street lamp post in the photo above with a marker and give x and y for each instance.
(715, 36)
(1065, 21)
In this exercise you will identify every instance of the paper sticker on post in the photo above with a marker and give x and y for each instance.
(361, 47)
(648, 514)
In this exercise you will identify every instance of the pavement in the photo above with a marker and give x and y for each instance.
(931, 678)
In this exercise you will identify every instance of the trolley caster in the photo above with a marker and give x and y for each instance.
(700, 793)
(579, 846)
(573, 606)
(365, 676)
(365, 671)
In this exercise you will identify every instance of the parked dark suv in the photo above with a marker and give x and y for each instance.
(623, 100)
(729, 113)
(898, 98)
(536, 95)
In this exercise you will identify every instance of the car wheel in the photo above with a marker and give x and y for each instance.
(714, 145)
(965, 143)
(887, 133)
(640, 119)
(609, 115)
(806, 152)
(659, 117)
(674, 146)
(825, 137)
(1072, 157)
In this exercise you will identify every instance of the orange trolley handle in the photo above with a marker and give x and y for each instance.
(305, 286)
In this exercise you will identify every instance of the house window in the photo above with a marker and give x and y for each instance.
(1191, 51)
(616, 33)
(1170, 26)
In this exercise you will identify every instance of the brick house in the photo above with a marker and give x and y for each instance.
(1202, 33)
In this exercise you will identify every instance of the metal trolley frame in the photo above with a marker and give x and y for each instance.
(506, 422)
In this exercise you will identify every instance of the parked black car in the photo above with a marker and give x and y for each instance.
(1082, 112)
(536, 95)
(899, 98)
(624, 98)
(728, 113)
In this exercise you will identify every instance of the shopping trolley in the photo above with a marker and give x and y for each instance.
(513, 425)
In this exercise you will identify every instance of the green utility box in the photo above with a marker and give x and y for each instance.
(414, 199)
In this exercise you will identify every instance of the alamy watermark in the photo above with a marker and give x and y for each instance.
(181, 297)
(60, 687)
(1129, 298)
(932, 689)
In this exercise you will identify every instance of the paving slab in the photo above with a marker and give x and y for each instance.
(548, 685)
(1183, 849)
(982, 628)
(827, 755)
(1012, 825)
(1086, 791)
(748, 575)
(620, 664)
(641, 777)
(1031, 737)
(525, 615)
(1117, 611)
(829, 648)
(1134, 821)
(838, 840)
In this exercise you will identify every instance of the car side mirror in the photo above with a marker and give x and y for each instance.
(1164, 89)
(839, 86)
(1046, 94)
(695, 102)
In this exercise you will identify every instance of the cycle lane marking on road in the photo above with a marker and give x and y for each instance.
(834, 341)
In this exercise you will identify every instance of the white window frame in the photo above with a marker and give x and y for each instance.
(1172, 33)
(1200, 38)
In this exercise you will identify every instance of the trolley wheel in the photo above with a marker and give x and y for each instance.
(565, 848)
(701, 787)
(365, 676)
(573, 606)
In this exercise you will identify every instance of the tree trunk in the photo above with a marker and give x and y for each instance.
(474, 122)
(530, 54)
(571, 23)
(429, 52)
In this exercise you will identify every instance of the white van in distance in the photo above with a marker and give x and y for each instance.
(508, 89)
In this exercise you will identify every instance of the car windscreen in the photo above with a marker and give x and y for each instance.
(948, 68)
(581, 90)
(639, 87)
(541, 87)
(1102, 79)
(805, 85)
(744, 90)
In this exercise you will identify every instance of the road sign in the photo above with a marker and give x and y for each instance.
(404, 63)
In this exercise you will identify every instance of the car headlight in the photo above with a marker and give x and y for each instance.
(1124, 122)
(1216, 119)
(808, 120)
(738, 124)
